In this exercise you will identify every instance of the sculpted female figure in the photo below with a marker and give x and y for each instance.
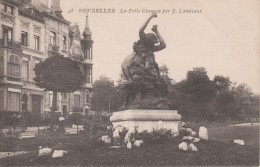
(143, 57)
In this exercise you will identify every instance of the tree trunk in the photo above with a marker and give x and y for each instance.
(53, 109)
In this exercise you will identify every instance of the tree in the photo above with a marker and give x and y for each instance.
(166, 81)
(194, 93)
(198, 86)
(222, 83)
(58, 74)
(104, 92)
(243, 97)
(164, 72)
(121, 91)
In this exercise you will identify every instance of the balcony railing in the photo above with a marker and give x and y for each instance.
(13, 79)
(4, 43)
(10, 79)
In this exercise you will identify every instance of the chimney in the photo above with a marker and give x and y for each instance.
(56, 5)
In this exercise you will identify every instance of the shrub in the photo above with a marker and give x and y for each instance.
(122, 133)
(10, 118)
(75, 118)
(156, 136)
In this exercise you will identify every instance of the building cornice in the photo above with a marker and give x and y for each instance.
(46, 14)
(25, 14)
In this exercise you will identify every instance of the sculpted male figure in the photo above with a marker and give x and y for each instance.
(143, 55)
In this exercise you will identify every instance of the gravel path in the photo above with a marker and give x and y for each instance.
(247, 124)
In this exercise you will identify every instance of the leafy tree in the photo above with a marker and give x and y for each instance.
(166, 81)
(164, 72)
(243, 97)
(58, 74)
(243, 94)
(224, 102)
(120, 91)
(104, 94)
(198, 86)
(222, 83)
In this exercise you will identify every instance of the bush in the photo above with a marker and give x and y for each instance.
(156, 136)
(75, 118)
(10, 118)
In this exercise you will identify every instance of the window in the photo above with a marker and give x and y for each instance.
(35, 62)
(88, 53)
(13, 101)
(53, 38)
(77, 101)
(64, 96)
(25, 70)
(64, 43)
(89, 75)
(13, 66)
(8, 33)
(50, 98)
(4, 7)
(24, 38)
(36, 42)
(8, 9)
(88, 99)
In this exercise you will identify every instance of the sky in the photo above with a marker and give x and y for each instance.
(223, 37)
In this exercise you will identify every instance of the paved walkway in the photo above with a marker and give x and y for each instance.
(247, 124)
(31, 132)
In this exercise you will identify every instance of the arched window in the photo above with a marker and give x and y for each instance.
(13, 66)
(53, 38)
(64, 43)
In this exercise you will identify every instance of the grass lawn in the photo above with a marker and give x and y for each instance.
(217, 151)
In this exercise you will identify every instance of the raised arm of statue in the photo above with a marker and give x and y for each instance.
(162, 44)
(141, 31)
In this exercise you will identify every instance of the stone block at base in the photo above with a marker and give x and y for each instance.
(146, 119)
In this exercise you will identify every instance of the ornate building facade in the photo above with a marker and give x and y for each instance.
(31, 31)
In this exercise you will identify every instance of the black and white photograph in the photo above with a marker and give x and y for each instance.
(129, 82)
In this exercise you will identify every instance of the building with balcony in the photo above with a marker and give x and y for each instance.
(31, 31)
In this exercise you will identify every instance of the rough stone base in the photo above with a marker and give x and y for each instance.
(146, 119)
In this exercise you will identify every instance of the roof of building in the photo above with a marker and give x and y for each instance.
(40, 8)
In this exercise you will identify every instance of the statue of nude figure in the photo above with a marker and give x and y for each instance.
(148, 41)
(143, 53)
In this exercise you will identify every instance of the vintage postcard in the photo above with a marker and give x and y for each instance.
(129, 83)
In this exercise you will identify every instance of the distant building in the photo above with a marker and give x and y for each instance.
(32, 30)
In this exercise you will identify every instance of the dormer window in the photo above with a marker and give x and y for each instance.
(8, 9)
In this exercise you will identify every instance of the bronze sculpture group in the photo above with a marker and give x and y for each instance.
(142, 72)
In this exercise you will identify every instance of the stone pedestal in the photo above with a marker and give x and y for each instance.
(146, 119)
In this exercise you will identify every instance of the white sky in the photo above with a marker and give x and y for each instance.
(224, 38)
